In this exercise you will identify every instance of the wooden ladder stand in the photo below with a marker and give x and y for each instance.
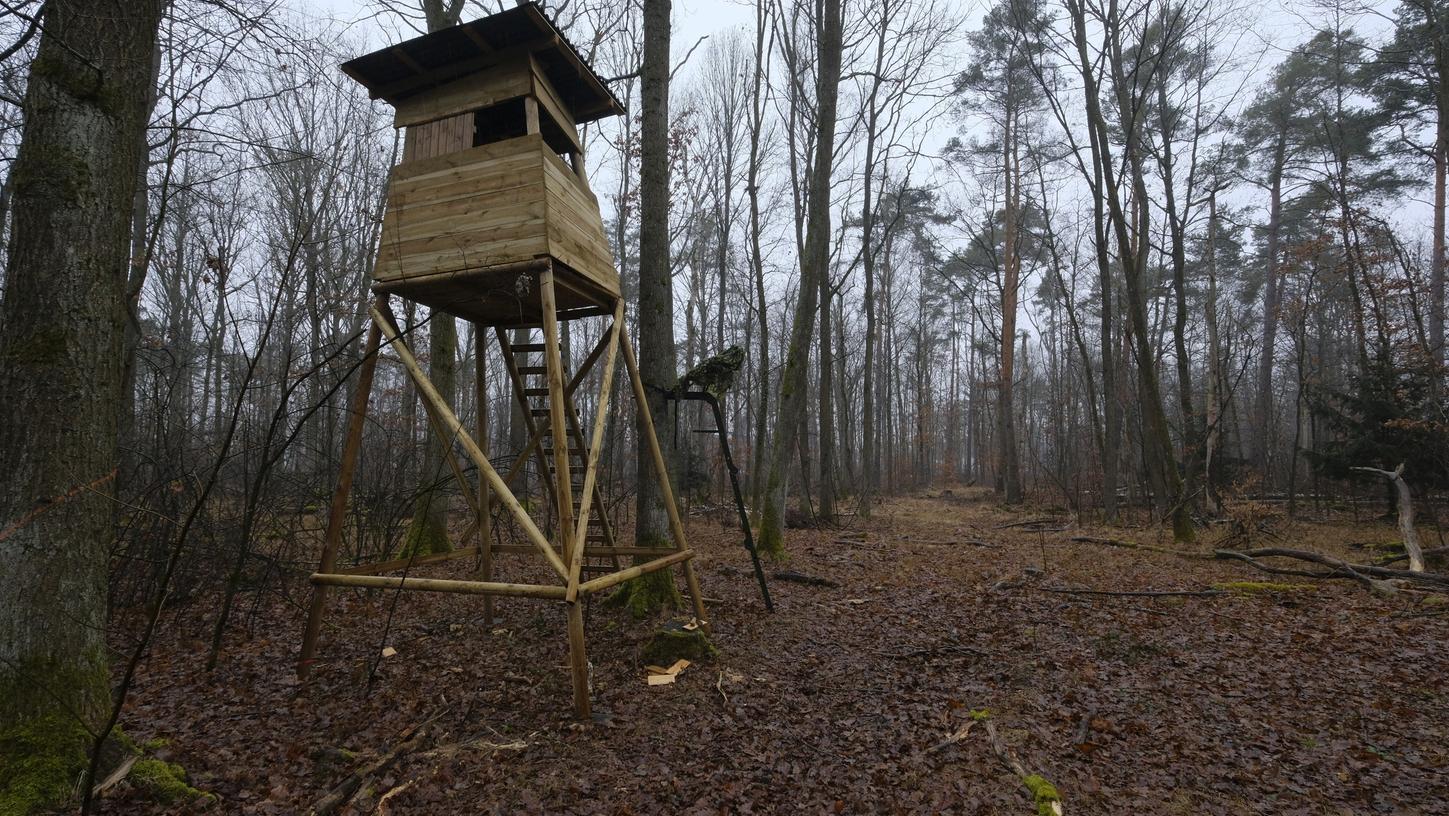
(584, 541)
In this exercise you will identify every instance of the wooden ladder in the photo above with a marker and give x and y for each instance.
(530, 388)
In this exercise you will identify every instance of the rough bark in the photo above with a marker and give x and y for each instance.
(428, 531)
(813, 264)
(657, 365)
(61, 335)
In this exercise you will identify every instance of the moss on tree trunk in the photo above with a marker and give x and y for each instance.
(648, 594)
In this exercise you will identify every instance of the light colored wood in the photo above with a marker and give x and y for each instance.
(438, 138)
(493, 205)
(530, 115)
(596, 446)
(552, 104)
(438, 585)
(500, 83)
(676, 526)
(604, 582)
(382, 315)
(553, 361)
(485, 497)
(578, 660)
(590, 551)
(337, 512)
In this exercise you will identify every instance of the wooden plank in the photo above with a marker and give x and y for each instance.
(392, 263)
(465, 94)
(549, 99)
(518, 145)
(472, 216)
(438, 585)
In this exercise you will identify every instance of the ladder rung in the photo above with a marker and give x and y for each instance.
(526, 370)
(535, 392)
(540, 412)
(524, 348)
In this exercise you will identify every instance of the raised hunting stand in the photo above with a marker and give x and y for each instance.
(490, 218)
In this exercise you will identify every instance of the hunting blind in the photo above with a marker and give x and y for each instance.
(490, 218)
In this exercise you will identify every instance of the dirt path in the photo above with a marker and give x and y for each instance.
(1318, 701)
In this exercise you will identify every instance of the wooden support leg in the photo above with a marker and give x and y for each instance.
(578, 661)
(485, 503)
(564, 492)
(383, 317)
(676, 526)
(337, 514)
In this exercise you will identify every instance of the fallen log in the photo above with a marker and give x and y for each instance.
(801, 578)
(1372, 577)
(1130, 545)
(1146, 593)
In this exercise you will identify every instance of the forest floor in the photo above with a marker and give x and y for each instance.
(1316, 700)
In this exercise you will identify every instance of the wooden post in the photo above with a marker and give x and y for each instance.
(485, 503)
(337, 514)
(564, 490)
(530, 114)
(382, 315)
(564, 493)
(666, 492)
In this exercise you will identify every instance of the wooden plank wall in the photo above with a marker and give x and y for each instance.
(438, 138)
(465, 210)
(499, 203)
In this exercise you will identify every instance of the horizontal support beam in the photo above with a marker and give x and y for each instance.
(601, 551)
(614, 579)
(439, 585)
(417, 561)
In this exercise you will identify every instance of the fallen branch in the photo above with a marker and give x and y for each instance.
(347, 788)
(974, 542)
(1026, 523)
(1044, 794)
(1373, 577)
(1146, 593)
(801, 578)
(954, 738)
(1117, 542)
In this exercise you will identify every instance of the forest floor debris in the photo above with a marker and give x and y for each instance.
(1325, 701)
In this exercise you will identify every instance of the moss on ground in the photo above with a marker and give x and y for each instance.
(674, 642)
(1044, 794)
(1261, 587)
(166, 782)
(40, 762)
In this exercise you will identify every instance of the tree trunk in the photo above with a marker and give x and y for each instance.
(814, 264)
(62, 324)
(657, 365)
(1263, 410)
(1008, 471)
(428, 531)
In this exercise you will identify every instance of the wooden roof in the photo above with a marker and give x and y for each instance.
(416, 65)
